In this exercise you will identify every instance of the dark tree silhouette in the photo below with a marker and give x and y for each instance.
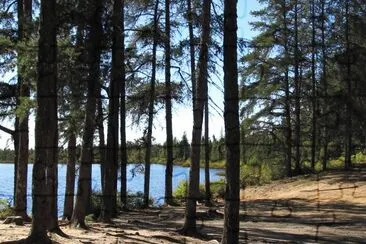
(189, 227)
(44, 194)
(232, 129)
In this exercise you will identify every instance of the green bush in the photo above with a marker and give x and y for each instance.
(96, 202)
(136, 200)
(360, 158)
(217, 190)
(181, 192)
(5, 209)
(255, 175)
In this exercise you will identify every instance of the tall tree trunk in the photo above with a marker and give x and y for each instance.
(288, 127)
(151, 110)
(189, 227)
(24, 20)
(207, 154)
(325, 87)
(93, 49)
(314, 91)
(232, 129)
(15, 138)
(348, 136)
(168, 110)
(72, 130)
(297, 95)
(192, 52)
(109, 208)
(70, 177)
(243, 148)
(44, 183)
(100, 126)
(123, 114)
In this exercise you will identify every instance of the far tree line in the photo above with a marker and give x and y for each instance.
(135, 152)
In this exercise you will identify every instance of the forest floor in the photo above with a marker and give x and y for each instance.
(326, 208)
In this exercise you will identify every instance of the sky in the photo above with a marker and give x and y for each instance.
(182, 114)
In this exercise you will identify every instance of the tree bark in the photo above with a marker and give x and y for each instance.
(288, 127)
(44, 183)
(109, 208)
(207, 154)
(24, 22)
(151, 111)
(123, 114)
(100, 126)
(192, 53)
(297, 94)
(70, 177)
(73, 128)
(325, 87)
(93, 48)
(348, 135)
(168, 110)
(189, 227)
(232, 129)
(314, 91)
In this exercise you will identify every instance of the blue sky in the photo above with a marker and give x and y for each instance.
(182, 114)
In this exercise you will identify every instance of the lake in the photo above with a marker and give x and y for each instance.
(135, 181)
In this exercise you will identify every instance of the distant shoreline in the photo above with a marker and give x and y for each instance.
(213, 165)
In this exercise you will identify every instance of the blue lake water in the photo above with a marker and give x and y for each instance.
(135, 181)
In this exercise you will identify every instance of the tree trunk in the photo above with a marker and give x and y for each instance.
(314, 92)
(168, 110)
(151, 111)
(207, 155)
(348, 136)
(288, 127)
(24, 21)
(15, 138)
(44, 192)
(189, 227)
(70, 177)
(232, 129)
(100, 126)
(123, 114)
(192, 52)
(109, 208)
(325, 84)
(297, 95)
(73, 128)
(93, 48)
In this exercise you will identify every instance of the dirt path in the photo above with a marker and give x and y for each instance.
(328, 208)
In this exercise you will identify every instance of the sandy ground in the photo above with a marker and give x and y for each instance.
(325, 208)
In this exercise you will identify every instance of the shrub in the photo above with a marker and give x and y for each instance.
(255, 175)
(218, 188)
(5, 209)
(96, 202)
(136, 200)
(181, 192)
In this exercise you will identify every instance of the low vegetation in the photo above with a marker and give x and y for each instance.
(6, 209)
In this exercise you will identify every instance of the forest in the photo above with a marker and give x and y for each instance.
(85, 72)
